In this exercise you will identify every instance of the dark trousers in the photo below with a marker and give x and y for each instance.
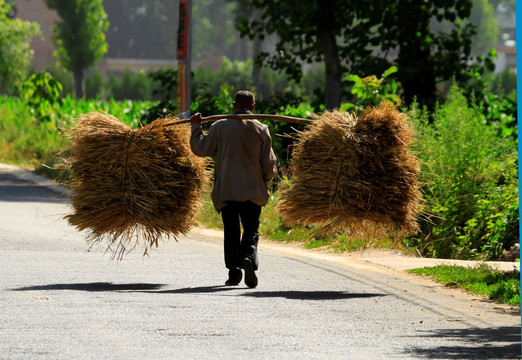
(237, 247)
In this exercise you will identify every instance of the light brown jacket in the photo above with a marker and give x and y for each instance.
(244, 159)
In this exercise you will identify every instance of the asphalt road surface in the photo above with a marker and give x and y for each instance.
(61, 300)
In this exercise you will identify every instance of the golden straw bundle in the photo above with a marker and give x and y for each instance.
(346, 171)
(130, 186)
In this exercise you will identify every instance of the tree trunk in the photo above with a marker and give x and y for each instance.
(332, 66)
(256, 50)
(78, 84)
(256, 68)
(418, 83)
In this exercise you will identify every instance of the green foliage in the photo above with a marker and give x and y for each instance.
(79, 35)
(473, 79)
(213, 92)
(63, 77)
(337, 34)
(501, 113)
(36, 144)
(495, 225)
(209, 15)
(496, 285)
(427, 56)
(15, 49)
(207, 215)
(284, 104)
(96, 86)
(470, 191)
(128, 111)
(345, 34)
(130, 85)
(371, 91)
(238, 74)
(42, 93)
(23, 140)
(488, 30)
(206, 103)
(504, 83)
(165, 88)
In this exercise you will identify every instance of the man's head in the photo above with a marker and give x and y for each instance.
(244, 100)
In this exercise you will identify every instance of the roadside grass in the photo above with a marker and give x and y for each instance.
(207, 216)
(24, 141)
(496, 285)
(273, 227)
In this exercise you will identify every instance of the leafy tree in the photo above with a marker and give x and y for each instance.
(15, 50)
(312, 33)
(361, 37)
(426, 57)
(166, 81)
(79, 36)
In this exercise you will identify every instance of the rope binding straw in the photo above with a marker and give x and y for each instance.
(271, 117)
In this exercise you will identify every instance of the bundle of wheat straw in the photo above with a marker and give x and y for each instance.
(348, 171)
(130, 187)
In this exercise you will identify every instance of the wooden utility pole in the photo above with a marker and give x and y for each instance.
(183, 55)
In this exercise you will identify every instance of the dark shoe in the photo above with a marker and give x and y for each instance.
(250, 273)
(234, 277)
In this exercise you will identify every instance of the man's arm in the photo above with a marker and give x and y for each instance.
(201, 145)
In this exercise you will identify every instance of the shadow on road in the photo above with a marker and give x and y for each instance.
(30, 193)
(15, 189)
(197, 290)
(479, 340)
(97, 286)
(291, 295)
(312, 295)
(155, 289)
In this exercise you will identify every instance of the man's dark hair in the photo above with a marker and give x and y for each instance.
(245, 97)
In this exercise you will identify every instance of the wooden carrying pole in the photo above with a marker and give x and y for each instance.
(271, 117)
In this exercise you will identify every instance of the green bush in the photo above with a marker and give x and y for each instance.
(470, 182)
(371, 91)
(29, 140)
(130, 85)
(504, 83)
(95, 86)
(63, 77)
(25, 140)
(43, 95)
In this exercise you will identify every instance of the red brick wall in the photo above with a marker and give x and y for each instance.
(37, 11)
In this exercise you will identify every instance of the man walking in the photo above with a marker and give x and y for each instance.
(244, 163)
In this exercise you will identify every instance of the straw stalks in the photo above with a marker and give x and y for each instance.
(131, 187)
(354, 173)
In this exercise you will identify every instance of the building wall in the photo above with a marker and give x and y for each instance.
(37, 11)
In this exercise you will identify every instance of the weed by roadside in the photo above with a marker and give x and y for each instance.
(273, 227)
(483, 280)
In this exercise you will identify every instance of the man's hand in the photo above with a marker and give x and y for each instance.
(196, 118)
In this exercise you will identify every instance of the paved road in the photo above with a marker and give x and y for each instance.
(61, 301)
